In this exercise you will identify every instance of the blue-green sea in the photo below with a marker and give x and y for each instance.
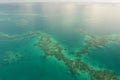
(72, 25)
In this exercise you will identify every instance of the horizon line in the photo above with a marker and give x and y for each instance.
(60, 2)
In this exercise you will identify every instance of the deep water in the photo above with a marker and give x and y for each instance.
(63, 21)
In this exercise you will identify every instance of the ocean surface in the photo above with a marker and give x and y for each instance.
(72, 25)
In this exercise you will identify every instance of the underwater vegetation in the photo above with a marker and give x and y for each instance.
(52, 48)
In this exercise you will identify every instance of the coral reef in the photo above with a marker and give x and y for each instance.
(4, 36)
(96, 41)
(12, 57)
(50, 47)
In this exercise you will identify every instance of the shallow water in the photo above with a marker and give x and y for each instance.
(63, 22)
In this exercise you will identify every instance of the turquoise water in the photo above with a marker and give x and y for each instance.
(63, 22)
